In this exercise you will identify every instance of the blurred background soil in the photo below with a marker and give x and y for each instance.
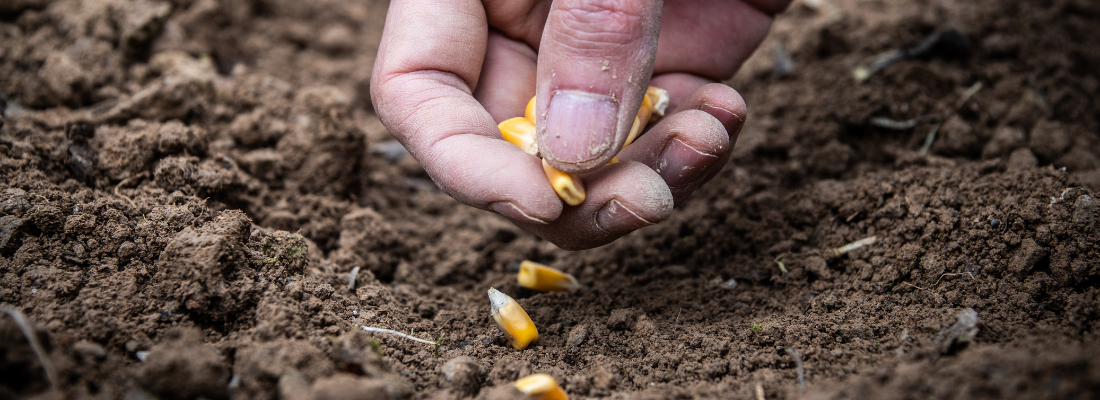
(186, 187)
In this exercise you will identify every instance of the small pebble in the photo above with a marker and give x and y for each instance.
(577, 336)
(1084, 210)
(995, 223)
(464, 375)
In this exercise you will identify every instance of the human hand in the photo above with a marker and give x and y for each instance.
(448, 71)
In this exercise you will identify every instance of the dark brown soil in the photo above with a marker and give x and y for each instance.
(190, 183)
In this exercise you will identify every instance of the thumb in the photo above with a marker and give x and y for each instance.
(594, 65)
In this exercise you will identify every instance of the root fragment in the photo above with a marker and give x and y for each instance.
(854, 245)
(28, 331)
(351, 278)
(798, 363)
(406, 336)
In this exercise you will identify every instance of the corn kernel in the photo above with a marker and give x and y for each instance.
(520, 132)
(529, 113)
(517, 326)
(659, 99)
(653, 104)
(541, 387)
(569, 187)
(535, 276)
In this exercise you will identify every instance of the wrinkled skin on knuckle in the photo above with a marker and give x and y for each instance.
(594, 26)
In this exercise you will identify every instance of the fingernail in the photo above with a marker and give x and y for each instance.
(580, 126)
(681, 164)
(615, 217)
(507, 209)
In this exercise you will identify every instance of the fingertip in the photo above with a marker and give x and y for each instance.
(631, 196)
(491, 174)
(685, 149)
(723, 103)
(720, 101)
(622, 197)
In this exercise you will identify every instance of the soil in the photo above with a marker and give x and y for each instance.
(187, 187)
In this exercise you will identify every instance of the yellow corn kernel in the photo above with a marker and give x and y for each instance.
(569, 187)
(535, 276)
(517, 326)
(529, 113)
(541, 387)
(654, 103)
(520, 132)
(659, 99)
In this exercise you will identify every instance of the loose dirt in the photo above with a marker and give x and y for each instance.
(187, 186)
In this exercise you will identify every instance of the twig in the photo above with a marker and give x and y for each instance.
(126, 181)
(407, 336)
(351, 278)
(970, 92)
(915, 286)
(759, 391)
(883, 122)
(28, 331)
(953, 274)
(798, 364)
(393, 332)
(929, 139)
(855, 245)
(782, 268)
(677, 316)
(876, 63)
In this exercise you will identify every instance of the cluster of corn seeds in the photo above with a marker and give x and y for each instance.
(520, 131)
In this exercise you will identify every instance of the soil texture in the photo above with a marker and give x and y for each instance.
(197, 201)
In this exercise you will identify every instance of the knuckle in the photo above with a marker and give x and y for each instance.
(596, 25)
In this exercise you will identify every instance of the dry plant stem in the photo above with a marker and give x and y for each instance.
(970, 92)
(759, 391)
(126, 181)
(883, 122)
(798, 363)
(953, 274)
(404, 335)
(351, 278)
(855, 245)
(28, 331)
(915, 286)
(929, 139)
